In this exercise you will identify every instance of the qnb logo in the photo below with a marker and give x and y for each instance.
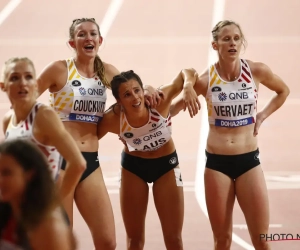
(82, 91)
(222, 96)
(173, 160)
(238, 96)
(95, 91)
(137, 141)
(151, 136)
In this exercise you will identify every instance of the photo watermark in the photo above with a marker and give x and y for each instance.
(279, 237)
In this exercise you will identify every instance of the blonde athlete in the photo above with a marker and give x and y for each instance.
(230, 87)
(78, 94)
(39, 123)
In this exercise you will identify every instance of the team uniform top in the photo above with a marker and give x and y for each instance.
(149, 137)
(232, 104)
(24, 130)
(81, 99)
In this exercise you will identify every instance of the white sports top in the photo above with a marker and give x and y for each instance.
(81, 99)
(232, 104)
(156, 133)
(24, 130)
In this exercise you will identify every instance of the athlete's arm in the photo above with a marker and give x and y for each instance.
(52, 74)
(110, 71)
(273, 82)
(110, 123)
(185, 82)
(153, 97)
(51, 234)
(190, 98)
(200, 88)
(49, 124)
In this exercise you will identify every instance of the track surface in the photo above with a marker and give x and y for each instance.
(157, 39)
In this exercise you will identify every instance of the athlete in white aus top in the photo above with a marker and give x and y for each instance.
(230, 87)
(149, 155)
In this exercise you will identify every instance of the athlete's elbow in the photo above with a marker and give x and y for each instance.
(190, 70)
(81, 166)
(188, 73)
(284, 92)
(287, 91)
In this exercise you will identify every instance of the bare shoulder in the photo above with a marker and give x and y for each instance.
(59, 64)
(54, 222)
(259, 69)
(110, 122)
(264, 75)
(111, 118)
(110, 68)
(113, 111)
(202, 83)
(55, 67)
(6, 118)
(8, 115)
(53, 230)
(203, 77)
(110, 71)
(46, 111)
(53, 75)
(46, 117)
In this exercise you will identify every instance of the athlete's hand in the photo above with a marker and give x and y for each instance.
(191, 101)
(259, 120)
(153, 97)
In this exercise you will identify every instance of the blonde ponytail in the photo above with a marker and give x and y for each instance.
(100, 71)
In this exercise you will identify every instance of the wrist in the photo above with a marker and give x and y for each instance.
(262, 115)
(146, 87)
(187, 85)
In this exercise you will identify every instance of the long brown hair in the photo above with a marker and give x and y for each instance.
(98, 64)
(118, 80)
(40, 196)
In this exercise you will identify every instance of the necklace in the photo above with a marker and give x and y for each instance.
(235, 77)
